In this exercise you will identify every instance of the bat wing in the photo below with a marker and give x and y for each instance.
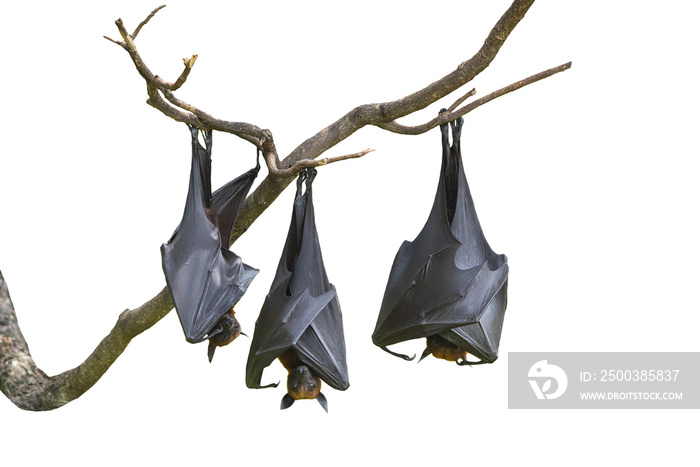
(205, 278)
(228, 200)
(322, 346)
(482, 338)
(301, 311)
(448, 281)
(282, 322)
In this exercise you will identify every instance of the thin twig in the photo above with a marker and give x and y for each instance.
(119, 43)
(512, 87)
(306, 163)
(459, 101)
(189, 63)
(175, 108)
(145, 21)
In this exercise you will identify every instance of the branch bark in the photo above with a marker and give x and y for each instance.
(452, 114)
(31, 389)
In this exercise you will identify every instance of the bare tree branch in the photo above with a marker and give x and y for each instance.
(155, 84)
(461, 99)
(453, 114)
(29, 388)
(304, 163)
(145, 21)
(184, 112)
(377, 114)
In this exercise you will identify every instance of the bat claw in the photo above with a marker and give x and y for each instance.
(465, 362)
(218, 329)
(395, 354)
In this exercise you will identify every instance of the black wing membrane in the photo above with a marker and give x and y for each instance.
(301, 311)
(448, 281)
(206, 278)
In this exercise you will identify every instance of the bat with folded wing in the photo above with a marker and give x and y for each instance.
(447, 285)
(205, 278)
(300, 322)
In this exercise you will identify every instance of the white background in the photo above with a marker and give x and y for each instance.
(586, 180)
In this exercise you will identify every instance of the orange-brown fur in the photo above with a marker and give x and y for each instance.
(444, 349)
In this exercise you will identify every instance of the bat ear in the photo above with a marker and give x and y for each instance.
(322, 400)
(287, 402)
(211, 350)
(426, 352)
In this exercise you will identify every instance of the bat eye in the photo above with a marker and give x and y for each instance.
(311, 386)
(295, 386)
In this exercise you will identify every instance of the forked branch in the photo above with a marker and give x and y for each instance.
(452, 114)
(161, 96)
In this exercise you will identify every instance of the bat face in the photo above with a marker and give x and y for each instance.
(302, 383)
(447, 285)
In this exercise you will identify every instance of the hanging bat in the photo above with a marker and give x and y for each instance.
(205, 278)
(447, 285)
(300, 322)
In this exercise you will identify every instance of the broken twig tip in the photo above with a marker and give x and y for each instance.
(189, 62)
(112, 40)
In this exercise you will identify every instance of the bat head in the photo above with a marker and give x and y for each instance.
(440, 347)
(302, 383)
(225, 332)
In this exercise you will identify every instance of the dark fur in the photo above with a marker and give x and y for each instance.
(225, 332)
